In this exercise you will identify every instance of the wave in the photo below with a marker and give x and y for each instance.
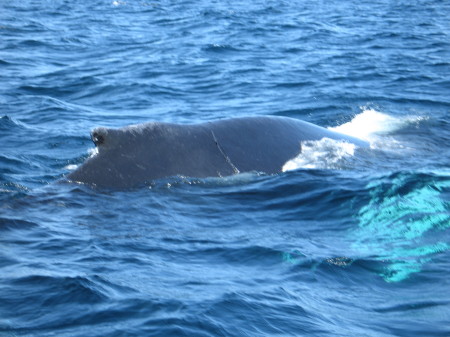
(7, 123)
(11, 224)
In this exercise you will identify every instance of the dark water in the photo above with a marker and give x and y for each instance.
(346, 242)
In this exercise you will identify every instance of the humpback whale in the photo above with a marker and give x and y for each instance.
(133, 155)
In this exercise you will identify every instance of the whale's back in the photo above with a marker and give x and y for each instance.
(136, 154)
(266, 143)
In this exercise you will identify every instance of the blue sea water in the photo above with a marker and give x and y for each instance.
(345, 242)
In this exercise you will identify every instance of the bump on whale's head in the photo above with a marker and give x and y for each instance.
(104, 138)
(98, 136)
(111, 138)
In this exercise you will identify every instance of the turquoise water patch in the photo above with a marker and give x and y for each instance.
(294, 257)
(402, 224)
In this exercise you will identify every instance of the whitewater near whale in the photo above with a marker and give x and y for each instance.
(136, 154)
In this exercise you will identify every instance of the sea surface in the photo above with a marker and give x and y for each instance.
(345, 242)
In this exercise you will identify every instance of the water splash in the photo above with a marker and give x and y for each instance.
(322, 154)
(370, 125)
(71, 167)
(91, 153)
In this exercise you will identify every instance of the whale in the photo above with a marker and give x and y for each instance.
(138, 154)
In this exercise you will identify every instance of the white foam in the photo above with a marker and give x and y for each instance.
(370, 125)
(321, 154)
(71, 167)
(93, 151)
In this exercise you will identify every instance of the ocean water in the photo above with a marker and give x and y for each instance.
(344, 242)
